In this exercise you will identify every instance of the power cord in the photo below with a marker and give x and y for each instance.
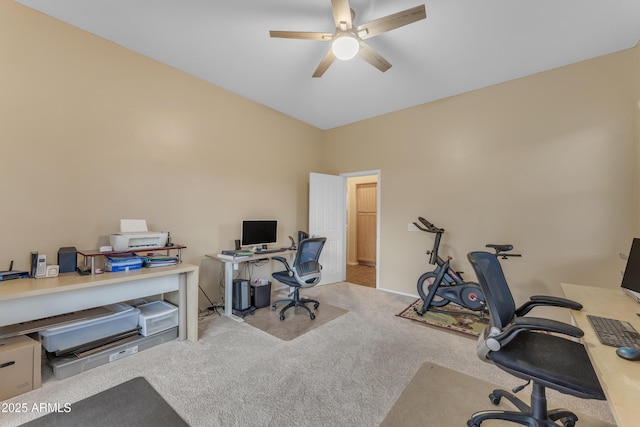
(208, 311)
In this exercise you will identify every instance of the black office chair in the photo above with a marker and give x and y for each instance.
(523, 347)
(305, 272)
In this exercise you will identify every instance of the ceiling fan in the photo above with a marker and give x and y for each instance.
(349, 40)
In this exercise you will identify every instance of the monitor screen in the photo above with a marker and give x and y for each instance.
(259, 232)
(631, 278)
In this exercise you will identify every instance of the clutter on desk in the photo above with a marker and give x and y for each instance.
(125, 262)
(160, 261)
(83, 270)
(230, 255)
(12, 274)
(67, 259)
(39, 267)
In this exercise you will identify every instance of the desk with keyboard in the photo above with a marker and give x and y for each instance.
(228, 273)
(620, 378)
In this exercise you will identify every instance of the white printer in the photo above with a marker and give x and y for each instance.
(134, 236)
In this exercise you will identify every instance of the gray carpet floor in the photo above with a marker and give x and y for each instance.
(347, 372)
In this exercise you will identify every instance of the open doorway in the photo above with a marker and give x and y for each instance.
(362, 228)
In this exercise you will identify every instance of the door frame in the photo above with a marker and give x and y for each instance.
(377, 172)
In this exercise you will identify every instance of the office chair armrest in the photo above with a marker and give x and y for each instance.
(548, 301)
(282, 260)
(547, 325)
(532, 324)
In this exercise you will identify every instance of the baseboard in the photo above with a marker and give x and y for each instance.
(398, 293)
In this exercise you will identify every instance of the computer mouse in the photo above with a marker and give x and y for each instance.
(628, 353)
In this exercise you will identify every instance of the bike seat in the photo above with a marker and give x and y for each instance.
(500, 248)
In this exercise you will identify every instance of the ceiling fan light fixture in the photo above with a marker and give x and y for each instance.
(345, 47)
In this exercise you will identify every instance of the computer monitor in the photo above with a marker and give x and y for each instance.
(259, 232)
(631, 277)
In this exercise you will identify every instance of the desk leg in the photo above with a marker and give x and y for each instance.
(182, 308)
(228, 292)
(188, 306)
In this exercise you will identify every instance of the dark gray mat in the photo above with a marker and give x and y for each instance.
(131, 404)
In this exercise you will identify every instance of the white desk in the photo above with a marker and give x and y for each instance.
(228, 276)
(23, 300)
(620, 379)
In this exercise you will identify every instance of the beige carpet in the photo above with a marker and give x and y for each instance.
(458, 319)
(424, 401)
(348, 372)
(296, 322)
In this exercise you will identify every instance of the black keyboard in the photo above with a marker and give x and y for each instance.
(270, 251)
(615, 333)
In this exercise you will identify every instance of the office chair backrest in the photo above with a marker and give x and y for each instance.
(494, 286)
(306, 268)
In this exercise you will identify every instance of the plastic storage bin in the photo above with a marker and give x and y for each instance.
(123, 318)
(157, 316)
(66, 366)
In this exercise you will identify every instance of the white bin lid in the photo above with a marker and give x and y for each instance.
(117, 310)
(156, 307)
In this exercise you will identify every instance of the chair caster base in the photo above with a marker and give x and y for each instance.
(296, 302)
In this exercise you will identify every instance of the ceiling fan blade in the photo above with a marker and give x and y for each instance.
(372, 57)
(342, 13)
(305, 35)
(391, 22)
(324, 64)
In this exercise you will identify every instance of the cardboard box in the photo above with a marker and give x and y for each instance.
(19, 366)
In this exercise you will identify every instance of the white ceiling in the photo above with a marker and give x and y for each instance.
(462, 45)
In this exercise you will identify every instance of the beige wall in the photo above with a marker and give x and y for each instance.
(546, 163)
(91, 133)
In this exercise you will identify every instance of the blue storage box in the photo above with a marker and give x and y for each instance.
(126, 263)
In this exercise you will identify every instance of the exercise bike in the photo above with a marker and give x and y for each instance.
(442, 286)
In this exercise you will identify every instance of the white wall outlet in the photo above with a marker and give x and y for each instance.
(412, 227)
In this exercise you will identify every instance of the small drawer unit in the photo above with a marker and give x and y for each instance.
(157, 316)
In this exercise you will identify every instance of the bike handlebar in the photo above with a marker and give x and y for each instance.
(428, 227)
(501, 249)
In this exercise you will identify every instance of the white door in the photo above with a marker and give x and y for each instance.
(328, 218)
